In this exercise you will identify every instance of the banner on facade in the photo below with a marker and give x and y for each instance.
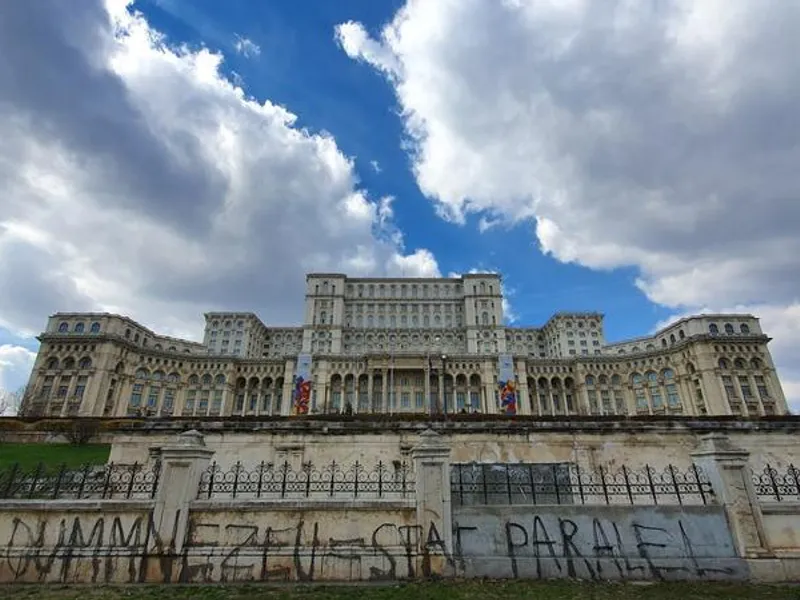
(507, 385)
(301, 392)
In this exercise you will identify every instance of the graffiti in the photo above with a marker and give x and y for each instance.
(92, 549)
(583, 546)
(656, 543)
(129, 550)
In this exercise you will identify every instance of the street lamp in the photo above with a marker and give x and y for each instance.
(428, 369)
(444, 383)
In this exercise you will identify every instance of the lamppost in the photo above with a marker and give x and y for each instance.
(444, 384)
(428, 372)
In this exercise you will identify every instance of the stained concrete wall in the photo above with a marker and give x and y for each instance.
(611, 443)
(598, 542)
(118, 542)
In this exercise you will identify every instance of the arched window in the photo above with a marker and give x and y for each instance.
(127, 333)
(85, 363)
(485, 318)
(739, 363)
(79, 327)
(756, 363)
(95, 328)
(323, 317)
(206, 379)
(173, 378)
(589, 380)
(141, 374)
(69, 363)
(713, 329)
(723, 363)
(681, 335)
(52, 363)
(744, 328)
(672, 338)
(194, 379)
(219, 380)
(656, 400)
(63, 327)
(728, 328)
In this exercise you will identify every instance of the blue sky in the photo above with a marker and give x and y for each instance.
(462, 112)
(301, 67)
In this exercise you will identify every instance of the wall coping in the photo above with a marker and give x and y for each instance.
(90, 505)
(454, 424)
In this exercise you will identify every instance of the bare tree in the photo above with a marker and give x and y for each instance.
(10, 402)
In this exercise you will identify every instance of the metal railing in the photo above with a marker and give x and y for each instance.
(567, 483)
(772, 485)
(270, 481)
(109, 481)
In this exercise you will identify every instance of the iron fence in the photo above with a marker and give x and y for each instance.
(108, 481)
(771, 484)
(568, 483)
(267, 480)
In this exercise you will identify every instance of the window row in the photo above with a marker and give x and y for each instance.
(79, 327)
(68, 363)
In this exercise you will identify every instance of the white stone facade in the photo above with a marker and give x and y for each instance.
(402, 346)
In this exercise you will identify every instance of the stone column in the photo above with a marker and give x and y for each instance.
(432, 474)
(728, 470)
(182, 465)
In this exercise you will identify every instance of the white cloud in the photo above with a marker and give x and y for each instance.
(137, 179)
(16, 363)
(659, 135)
(246, 47)
(375, 166)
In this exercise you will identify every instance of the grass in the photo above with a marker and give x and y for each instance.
(52, 455)
(466, 590)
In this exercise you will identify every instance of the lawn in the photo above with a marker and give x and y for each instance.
(52, 456)
(470, 590)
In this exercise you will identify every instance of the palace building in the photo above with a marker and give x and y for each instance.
(377, 345)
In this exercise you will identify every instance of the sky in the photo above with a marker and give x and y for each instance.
(163, 158)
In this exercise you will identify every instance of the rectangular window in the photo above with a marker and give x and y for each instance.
(593, 408)
(744, 384)
(727, 383)
(80, 387)
(419, 400)
(673, 399)
(216, 403)
(152, 397)
(202, 406)
(641, 400)
(188, 407)
(761, 386)
(461, 401)
(545, 407)
(253, 402)
(619, 400)
(474, 401)
(239, 403)
(62, 391)
(169, 402)
(655, 397)
(136, 395)
(266, 402)
(405, 400)
(605, 397)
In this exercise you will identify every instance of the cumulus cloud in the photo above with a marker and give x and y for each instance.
(136, 178)
(16, 363)
(659, 135)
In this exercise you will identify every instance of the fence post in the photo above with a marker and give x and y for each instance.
(182, 465)
(728, 471)
(432, 471)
